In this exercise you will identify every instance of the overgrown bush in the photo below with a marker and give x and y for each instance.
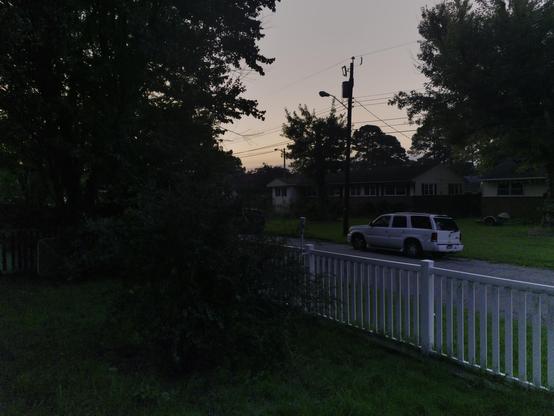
(94, 248)
(195, 289)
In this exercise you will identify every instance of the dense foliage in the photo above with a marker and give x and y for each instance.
(97, 96)
(203, 293)
(120, 104)
(490, 89)
(376, 148)
(318, 146)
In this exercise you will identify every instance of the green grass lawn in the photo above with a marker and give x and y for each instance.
(509, 243)
(56, 359)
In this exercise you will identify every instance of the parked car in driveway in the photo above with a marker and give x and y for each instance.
(410, 233)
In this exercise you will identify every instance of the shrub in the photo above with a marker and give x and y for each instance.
(198, 291)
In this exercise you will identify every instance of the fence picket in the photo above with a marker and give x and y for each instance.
(483, 326)
(460, 319)
(438, 313)
(522, 336)
(407, 323)
(335, 290)
(537, 321)
(449, 316)
(383, 300)
(375, 269)
(471, 347)
(368, 296)
(361, 294)
(495, 339)
(398, 303)
(390, 279)
(508, 334)
(416, 307)
(550, 341)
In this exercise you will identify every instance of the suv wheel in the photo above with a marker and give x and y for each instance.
(412, 249)
(358, 242)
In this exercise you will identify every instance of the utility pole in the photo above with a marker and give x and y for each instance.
(284, 154)
(347, 92)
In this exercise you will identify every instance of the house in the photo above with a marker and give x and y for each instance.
(288, 191)
(419, 187)
(513, 188)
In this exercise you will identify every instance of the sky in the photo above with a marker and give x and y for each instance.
(311, 40)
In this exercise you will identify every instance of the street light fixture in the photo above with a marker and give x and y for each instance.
(326, 94)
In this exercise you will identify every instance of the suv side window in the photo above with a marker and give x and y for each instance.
(399, 222)
(381, 221)
(419, 221)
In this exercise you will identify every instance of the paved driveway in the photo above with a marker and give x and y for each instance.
(529, 274)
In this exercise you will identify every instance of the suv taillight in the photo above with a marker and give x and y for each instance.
(433, 237)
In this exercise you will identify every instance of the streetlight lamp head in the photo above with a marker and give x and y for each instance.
(324, 94)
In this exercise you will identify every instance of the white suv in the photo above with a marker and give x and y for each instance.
(408, 232)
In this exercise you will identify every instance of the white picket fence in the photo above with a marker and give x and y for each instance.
(502, 326)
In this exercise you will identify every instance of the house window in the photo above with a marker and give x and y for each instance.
(454, 188)
(355, 190)
(503, 188)
(517, 188)
(389, 190)
(371, 190)
(428, 189)
(284, 192)
(277, 191)
(400, 190)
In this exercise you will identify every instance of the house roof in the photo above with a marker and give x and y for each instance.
(361, 174)
(513, 169)
(382, 174)
(290, 180)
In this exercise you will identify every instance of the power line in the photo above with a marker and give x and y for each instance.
(257, 154)
(380, 119)
(389, 92)
(272, 130)
(313, 74)
(401, 131)
(356, 122)
(386, 49)
(263, 147)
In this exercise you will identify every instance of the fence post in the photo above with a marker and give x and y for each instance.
(310, 258)
(309, 266)
(427, 306)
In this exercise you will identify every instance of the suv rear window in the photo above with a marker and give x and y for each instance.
(446, 224)
(419, 221)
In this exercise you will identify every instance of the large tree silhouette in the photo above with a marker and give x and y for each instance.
(489, 88)
(99, 95)
(317, 146)
(376, 148)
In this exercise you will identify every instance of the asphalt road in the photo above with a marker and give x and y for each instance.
(528, 274)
